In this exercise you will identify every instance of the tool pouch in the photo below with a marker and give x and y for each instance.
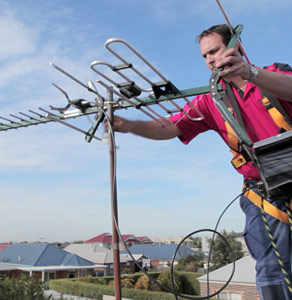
(274, 160)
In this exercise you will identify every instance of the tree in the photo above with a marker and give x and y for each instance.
(126, 270)
(21, 289)
(197, 242)
(145, 283)
(191, 263)
(165, 280)
(221, 255)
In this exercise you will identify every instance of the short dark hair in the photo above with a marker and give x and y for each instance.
(222, 29)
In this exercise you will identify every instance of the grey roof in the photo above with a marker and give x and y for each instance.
(40, 255)
(161, 251)
(244, 272)
(95, 253)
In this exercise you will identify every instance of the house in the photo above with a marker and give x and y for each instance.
(100, 255)
(105, 240)
(161, 255)
(43, 262)
(129, 240)
(145, 239)
(142, 261)
(5, 245)
(242, 285)
(175, 240)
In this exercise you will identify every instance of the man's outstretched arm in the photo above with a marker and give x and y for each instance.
(148, 129)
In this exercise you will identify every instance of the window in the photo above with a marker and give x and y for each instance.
(229, 296)
(71, 274)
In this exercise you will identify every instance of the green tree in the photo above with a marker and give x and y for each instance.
(126, 270)
(21, 289)
(197, 242)
(165, 280)
(221, 255)
(191, 263)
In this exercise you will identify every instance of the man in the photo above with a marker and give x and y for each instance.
(245, 82)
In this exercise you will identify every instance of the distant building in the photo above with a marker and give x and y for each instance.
(100, 255)
(174, 240)
(240, 238)
(160, 255)
(43, 262)
(105, 240)
(4, 245)
(145, 239)
(205, 245)
(242, 285)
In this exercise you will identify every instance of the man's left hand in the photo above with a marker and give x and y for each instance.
(233, 65)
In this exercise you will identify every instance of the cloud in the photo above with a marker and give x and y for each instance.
(49, 170)
(47, 149)
(17, 38)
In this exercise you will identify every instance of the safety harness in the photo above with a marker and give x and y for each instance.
(274, 108)
(240, 158)
(269, 208)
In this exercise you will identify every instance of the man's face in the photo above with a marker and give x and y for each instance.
(212, 48)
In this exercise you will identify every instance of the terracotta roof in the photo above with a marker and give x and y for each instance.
(145, 239)
(3, 246)
(130, 237)
(107, 238)
(102, 238)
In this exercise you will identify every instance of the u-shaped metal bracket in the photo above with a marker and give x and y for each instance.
(154, 86)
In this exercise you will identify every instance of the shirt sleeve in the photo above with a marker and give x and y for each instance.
(189, 128)
(280, 67)
(283, 67)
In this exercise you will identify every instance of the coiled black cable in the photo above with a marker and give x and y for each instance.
(210, 252)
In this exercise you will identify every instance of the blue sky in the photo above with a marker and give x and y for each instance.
(54, 185)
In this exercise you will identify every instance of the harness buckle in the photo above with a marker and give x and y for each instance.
(238, 161)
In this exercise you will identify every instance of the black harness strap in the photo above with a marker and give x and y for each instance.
(234, 105)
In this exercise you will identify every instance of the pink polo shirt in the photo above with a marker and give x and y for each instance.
(258, 122)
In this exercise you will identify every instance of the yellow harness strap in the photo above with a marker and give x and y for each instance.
(232, 138)
(277, 117)
(268, 207)
(238, 160)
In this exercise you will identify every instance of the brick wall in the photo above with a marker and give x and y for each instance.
(248, 292)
